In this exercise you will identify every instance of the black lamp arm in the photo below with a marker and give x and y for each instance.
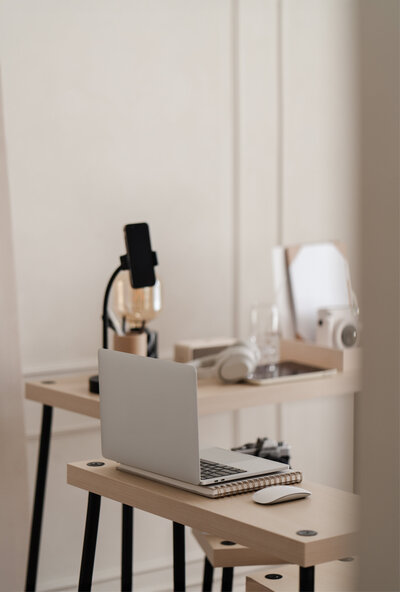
(124, 265)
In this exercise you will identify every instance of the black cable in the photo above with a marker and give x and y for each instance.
(105, 306)
(94, 380)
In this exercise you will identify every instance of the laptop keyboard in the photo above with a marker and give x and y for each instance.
(210, 470)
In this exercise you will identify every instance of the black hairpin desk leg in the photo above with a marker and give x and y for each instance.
(179, 557)
(227, 579)
(307, 575)
(89, 542)
(127, 548)
(36, 527)
(208, 575)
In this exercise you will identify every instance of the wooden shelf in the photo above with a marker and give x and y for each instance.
(332, 513)
(340, 576)
(214, 397)
(72, 393)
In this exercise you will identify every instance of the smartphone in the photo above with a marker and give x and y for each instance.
(286, 370)
(141, 258)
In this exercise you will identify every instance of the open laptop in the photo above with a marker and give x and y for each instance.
(149, 424)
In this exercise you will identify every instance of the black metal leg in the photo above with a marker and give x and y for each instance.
(179, 557)
(307, 579)
(227, 579)
(208, 575)
(41, 474)
(127, 548)
(89, 542)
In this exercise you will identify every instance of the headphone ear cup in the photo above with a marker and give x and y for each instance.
(235, 363)
(235, 369)
(231, 365)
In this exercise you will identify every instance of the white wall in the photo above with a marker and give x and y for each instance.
(117, 112)
(228, 126)
(298, 182)
(320, 191)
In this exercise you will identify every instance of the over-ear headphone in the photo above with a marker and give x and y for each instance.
(231, 365)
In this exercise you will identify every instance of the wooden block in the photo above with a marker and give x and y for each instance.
(336, 576)
(185, 351)
(132, 343)
(223, 553)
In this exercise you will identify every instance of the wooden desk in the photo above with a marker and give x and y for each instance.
(331, 513)
(72, 394)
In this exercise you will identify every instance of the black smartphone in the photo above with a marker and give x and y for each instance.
(286, 370)
(141, 258)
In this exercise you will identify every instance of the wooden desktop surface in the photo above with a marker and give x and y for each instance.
(72, 392)
(331, 512)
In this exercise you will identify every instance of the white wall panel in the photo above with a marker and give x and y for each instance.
(117, 112)
(320, 124)
(320, 193)
(257, 174)
(321, 435)
(297, 183)
(256, 178)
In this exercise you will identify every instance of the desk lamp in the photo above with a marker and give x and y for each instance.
(138, 302)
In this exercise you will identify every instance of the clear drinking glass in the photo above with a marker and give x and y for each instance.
(264, 332)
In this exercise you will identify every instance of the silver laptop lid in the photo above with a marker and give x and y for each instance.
(148, 411)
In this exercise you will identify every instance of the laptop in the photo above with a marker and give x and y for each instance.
(149, 424)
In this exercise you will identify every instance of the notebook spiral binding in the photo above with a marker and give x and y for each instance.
(247, 485)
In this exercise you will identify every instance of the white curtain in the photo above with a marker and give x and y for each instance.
(14, 513)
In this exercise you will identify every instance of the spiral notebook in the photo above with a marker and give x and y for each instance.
(289, 477)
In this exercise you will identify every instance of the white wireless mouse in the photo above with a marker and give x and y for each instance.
(279, 493)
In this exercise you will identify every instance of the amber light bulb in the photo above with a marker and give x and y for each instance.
(136, 306)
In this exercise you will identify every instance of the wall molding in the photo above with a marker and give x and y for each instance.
(235, 155)
(58, 368)
(83, 365)
(68, 430)
(280, 124)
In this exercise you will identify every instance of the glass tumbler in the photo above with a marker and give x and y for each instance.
(264, 332)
